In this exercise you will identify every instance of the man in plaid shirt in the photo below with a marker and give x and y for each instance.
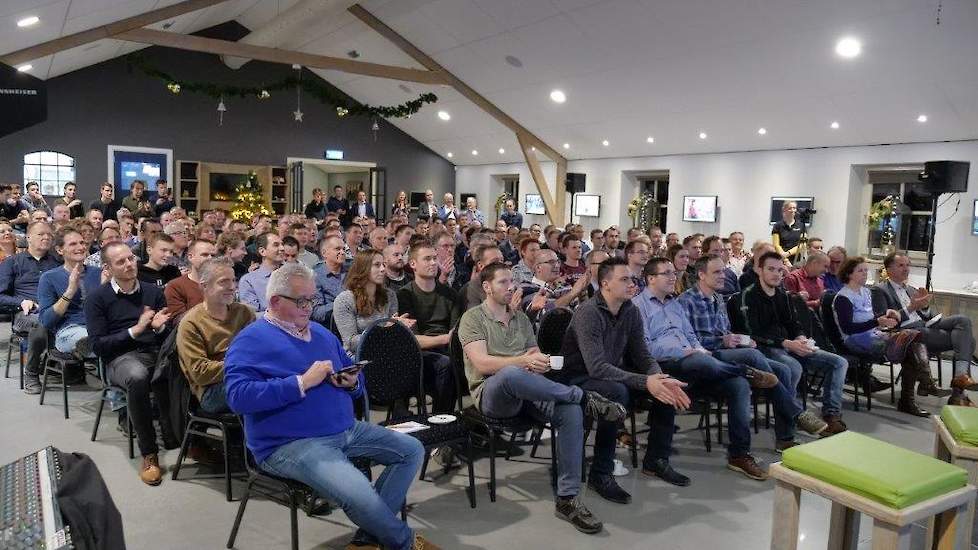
(707, 314)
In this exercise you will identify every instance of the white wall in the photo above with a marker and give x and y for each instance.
(745, 183)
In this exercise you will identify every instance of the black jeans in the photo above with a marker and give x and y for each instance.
(439, 381)
(134, 371)
(661, 422)
(37, 341)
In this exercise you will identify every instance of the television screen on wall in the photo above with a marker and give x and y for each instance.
(700, 208)
(587, 205)
(533, 204)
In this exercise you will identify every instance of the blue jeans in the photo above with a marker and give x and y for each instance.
(214, 400)
(512, 389)
(784, 396)
(708, 375)
(68, 336)
(833, 367)
(323, 464)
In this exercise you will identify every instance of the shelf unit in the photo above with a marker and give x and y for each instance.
(193, 187)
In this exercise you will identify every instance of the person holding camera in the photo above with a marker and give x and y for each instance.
(787, 233)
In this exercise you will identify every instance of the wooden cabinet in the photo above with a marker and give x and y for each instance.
(204, 186)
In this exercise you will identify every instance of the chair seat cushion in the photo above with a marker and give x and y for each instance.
(436, 434)
(888, 474)
(962, 422)
(518, 423)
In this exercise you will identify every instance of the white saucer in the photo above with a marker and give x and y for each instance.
(442, 419)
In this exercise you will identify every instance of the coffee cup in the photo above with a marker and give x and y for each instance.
(556, 362)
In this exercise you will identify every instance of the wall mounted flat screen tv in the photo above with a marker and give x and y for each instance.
(700, 208)
(533, 204)
(587, 205)
(222, 185)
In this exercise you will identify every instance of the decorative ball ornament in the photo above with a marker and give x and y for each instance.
(173, 87)
(342, 111)
(264, 94)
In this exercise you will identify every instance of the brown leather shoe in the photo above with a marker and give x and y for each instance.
(964, 382)
(205, 455)
(835, 426)
(747, 466)
(150, 472)
(782, 446)
(927, 386)
(760, 379)
(961, 401)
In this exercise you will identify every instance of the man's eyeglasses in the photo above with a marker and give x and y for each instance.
(301, 303)
(666, 274)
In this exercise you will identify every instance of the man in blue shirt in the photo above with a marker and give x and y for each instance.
(251, 289)
(329, 278)
(837, 255)
(61, 295)
(510, 215)
(707, 314)
(281, 376)
(19, 277)
(673, 343)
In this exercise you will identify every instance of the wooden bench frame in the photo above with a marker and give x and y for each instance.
(891, 526)
(946, 448)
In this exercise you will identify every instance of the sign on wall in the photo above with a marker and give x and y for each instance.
(23, 100)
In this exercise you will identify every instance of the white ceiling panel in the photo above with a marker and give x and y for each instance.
(629, 68)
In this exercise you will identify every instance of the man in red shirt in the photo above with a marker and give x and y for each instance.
(806, 281)
(573, 267)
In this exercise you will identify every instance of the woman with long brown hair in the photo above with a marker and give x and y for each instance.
(679, 257)
(401, 207)
(366, 299)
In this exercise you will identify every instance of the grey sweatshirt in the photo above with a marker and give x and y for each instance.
(600, 344)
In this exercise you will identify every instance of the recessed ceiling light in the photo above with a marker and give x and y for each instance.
(475, 153)
(444, 115)
(558, 96)
(567, 146)
(28, 21)
(848, 47)
(702, 135)
(502, 151)
(834, 125)
(762, 131)
(514, 61)
(605, 143)
(449, 154)
(25, 67)
(922, 118)
(650, 139)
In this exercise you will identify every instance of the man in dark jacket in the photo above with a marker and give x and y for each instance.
(604, 331)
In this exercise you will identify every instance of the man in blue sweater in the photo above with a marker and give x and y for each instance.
(281, 374)
(127, 321)
(61, 294)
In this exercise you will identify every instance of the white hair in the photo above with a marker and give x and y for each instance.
(280, 282)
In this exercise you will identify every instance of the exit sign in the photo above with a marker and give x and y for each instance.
(334, 154)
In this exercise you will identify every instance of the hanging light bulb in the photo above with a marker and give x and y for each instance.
(342, 111)
(173, 87)
(264, 94)
(375, 127)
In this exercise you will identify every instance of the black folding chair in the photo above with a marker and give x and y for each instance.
(104, 398)
(16, 337)
(395, 373)
(199, 423)
(488, 427)
(59, 364)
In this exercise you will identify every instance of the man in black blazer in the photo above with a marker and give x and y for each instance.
(428, 209)
(951, 332)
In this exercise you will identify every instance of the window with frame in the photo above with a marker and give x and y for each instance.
(50, 169)
(911, 224)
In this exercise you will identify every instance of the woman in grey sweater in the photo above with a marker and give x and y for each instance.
(365, 300)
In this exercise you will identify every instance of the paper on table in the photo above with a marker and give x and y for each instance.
(407, 427)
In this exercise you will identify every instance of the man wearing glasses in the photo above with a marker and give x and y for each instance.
(252, 285)
(603, 332)
(544, 292)
(282, 374)
(836, 255)
(637, 255)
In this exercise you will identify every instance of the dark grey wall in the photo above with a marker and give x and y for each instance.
(106, 104)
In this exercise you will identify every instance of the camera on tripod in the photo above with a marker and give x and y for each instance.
(805, 215)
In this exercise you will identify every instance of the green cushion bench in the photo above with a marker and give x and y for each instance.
(863, 475)
(962, 422)
(956, 442)
(890, 475)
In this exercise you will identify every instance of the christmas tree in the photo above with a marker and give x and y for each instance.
(249, 199)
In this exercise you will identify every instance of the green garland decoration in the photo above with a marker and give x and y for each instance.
(313, 87)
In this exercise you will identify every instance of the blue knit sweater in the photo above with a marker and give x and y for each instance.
(260, 371)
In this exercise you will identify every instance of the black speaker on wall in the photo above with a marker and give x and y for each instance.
(945, 176)
(575, 182)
